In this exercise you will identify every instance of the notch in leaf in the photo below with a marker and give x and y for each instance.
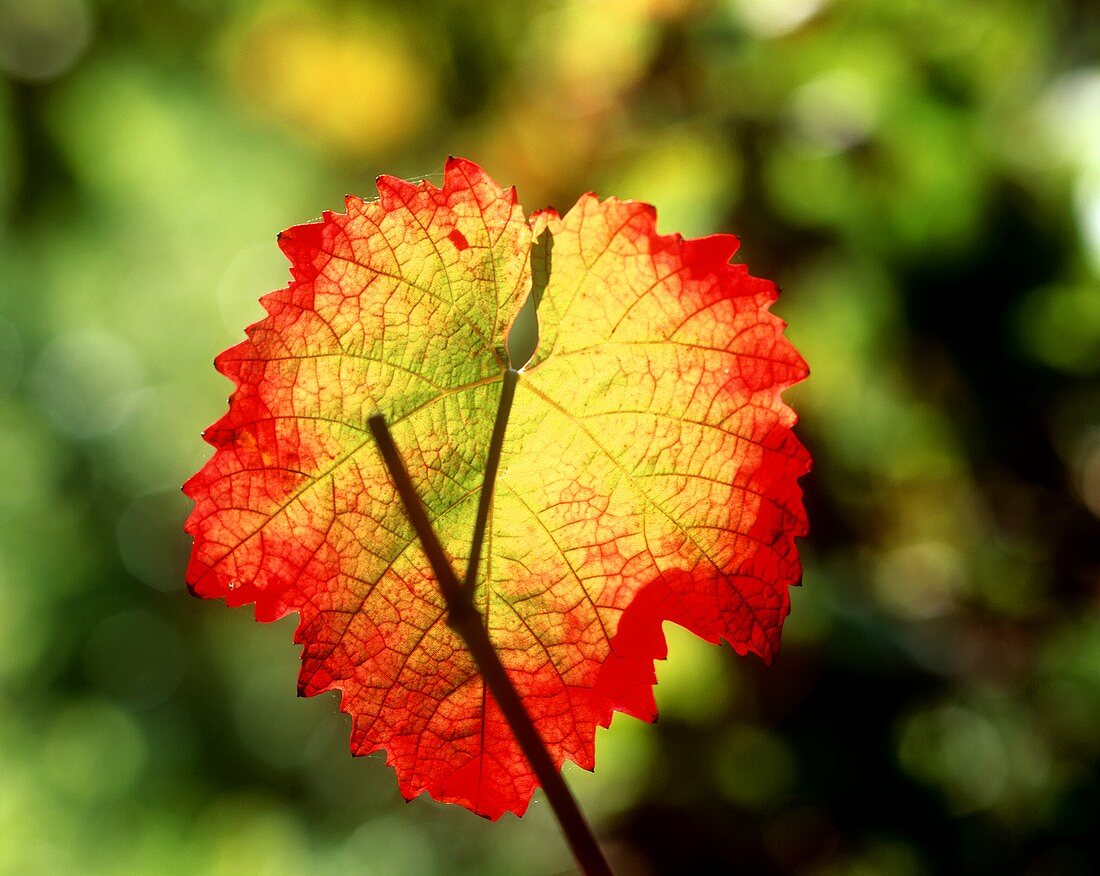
(523, 339)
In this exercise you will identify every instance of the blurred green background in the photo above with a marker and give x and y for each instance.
(923, 179)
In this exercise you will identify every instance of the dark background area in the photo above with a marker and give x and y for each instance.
(922, 177)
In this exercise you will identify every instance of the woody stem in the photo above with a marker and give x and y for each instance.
(464, 619)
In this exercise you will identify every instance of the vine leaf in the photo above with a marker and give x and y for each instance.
(648, 473)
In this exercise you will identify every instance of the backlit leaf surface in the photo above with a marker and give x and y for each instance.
(649, 471)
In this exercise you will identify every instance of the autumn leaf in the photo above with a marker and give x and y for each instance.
(649, 471)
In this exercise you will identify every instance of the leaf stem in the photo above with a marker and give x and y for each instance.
(492, 463)
(453, 592)
(464, 620)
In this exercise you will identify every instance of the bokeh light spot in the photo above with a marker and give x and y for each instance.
(135, 657)
(350, 82)
(754, 766)
(94, 751)
(87, 381)
(42, 39)
(774, 18)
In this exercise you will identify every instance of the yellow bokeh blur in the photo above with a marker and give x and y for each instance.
(355, 83)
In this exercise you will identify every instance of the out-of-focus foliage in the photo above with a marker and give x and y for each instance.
(923, 179)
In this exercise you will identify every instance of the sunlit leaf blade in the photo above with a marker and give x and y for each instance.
(648, 473)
